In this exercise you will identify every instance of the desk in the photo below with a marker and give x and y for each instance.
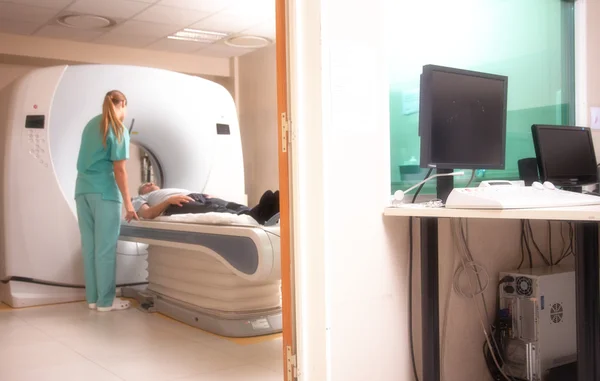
(587, 277)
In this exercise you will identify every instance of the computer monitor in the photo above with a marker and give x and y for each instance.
(565, 155)
(462, 119)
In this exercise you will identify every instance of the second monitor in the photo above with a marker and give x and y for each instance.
(565, 155)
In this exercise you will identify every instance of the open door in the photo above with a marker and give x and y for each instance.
(287, 270)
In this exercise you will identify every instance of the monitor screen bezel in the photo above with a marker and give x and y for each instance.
(539, 154)
(425, 109)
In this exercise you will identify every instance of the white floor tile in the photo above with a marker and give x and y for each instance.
(181, 359)
(243, 373)
(78, 371)
(33, 356)
(70, 342)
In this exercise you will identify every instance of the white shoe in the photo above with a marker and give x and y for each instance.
(92, 306)
(118, 304)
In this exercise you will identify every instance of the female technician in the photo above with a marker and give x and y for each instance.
(101, 175)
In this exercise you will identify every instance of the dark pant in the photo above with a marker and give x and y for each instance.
(266, 208)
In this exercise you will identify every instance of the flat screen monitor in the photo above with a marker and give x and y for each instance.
(565, 155)
(462, 119)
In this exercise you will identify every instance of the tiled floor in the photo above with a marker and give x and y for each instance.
(69, 342)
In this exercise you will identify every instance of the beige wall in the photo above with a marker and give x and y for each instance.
(54, 49)
(257, 105)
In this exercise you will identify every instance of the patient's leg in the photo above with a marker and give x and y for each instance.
(203, 204)
(267, 207)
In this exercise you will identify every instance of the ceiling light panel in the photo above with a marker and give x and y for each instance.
(197, 35)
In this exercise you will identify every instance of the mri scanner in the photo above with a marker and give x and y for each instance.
(219, 272)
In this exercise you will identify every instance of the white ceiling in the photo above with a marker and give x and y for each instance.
(144, 23)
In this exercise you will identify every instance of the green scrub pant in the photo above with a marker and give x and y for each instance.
(99, 225)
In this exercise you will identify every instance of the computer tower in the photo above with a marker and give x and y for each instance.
(538, 321)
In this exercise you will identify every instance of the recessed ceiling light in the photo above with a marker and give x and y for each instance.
(81, 21)
(197, 35)
(248, 42)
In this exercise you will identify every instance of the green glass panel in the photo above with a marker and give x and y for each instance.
(531, 42)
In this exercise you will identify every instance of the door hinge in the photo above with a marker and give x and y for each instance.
(285, 129)
(292, 369)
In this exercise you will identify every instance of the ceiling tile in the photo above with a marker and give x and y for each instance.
(17, 27)
(143, 28)
(177, 46)
(169, 15)
(19, 12)
(209, 6)
(109, 8)
(128, 41)
(253, 9)
(51, 4)
(226, 23)
(64, 33)
(224, 51)
(266, 29)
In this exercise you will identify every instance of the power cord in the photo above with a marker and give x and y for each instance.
(471, 179)
(55, 284)
(421, 186)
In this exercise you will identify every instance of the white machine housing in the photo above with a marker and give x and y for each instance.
(541, 305)
(187, 123)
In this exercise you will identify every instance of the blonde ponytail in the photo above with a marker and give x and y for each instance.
(109, 115)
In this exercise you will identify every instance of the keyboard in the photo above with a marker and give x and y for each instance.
(516, 197)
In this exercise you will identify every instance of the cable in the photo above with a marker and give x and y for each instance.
(471, 179)
(550, 242)
(421, 186)
(526, 243)
(569, 250)
(55, 284)
(531, 236)
(468, 262)
(410, 312)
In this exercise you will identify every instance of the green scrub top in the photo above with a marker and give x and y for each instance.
(95, 173)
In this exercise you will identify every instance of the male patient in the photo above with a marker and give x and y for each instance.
(153, 202)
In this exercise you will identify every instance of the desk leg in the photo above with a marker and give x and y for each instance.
(588, 301)
(430, 299)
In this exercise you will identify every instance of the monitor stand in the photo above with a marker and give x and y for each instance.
(445, 184)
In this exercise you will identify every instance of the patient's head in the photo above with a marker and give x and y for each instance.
(147, 188)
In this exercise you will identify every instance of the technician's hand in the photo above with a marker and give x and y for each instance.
(179, 200)
(130, 214)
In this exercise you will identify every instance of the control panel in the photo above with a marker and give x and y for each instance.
(36, 138)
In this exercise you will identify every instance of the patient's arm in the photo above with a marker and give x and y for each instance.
(151, 212)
